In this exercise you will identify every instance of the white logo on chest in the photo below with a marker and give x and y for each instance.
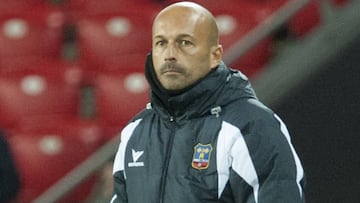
(136, 155)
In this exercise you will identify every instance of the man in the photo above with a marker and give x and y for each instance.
(204, 137)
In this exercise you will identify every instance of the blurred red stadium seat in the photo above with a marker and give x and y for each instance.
(120, 96)
(124, 63)
(111, 40)
(7, 5)
(39, 89)
(48, 150)
(77, 8)
(31, 33)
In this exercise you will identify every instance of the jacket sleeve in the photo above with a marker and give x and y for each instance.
(119, 194)
(265, 165)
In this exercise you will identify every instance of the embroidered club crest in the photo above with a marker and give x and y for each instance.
(201, 156)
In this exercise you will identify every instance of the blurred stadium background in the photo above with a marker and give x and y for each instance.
(71, 76)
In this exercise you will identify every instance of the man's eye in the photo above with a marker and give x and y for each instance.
(159, 43)
(185, 43)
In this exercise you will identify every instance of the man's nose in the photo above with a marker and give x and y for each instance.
(170, 53)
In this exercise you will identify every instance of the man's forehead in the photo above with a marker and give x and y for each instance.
(185, 24)
(177, 36)
(179, 29)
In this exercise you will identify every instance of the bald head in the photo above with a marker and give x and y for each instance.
(188, 13)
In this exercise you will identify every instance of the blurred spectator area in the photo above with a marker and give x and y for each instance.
(71, 74)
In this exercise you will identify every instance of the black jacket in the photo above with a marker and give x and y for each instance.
(214, 142)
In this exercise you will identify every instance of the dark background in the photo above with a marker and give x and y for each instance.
(324, 119)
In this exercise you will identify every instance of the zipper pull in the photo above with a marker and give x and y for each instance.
(216, 111)
(171, 118)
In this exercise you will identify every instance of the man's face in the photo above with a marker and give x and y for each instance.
(181, 49)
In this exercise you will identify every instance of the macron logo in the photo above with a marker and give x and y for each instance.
(136, 155)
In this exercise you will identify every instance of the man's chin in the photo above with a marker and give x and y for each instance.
(173, 87)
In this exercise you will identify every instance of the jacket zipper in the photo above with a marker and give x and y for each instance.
(167, 160)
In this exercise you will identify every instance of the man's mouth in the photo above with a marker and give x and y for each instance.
(171, 68)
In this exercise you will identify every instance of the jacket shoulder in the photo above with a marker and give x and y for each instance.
(143, 113)
(246, 110)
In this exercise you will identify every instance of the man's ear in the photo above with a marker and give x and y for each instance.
(216, 56)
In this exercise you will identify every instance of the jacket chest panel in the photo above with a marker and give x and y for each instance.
(188, 152)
